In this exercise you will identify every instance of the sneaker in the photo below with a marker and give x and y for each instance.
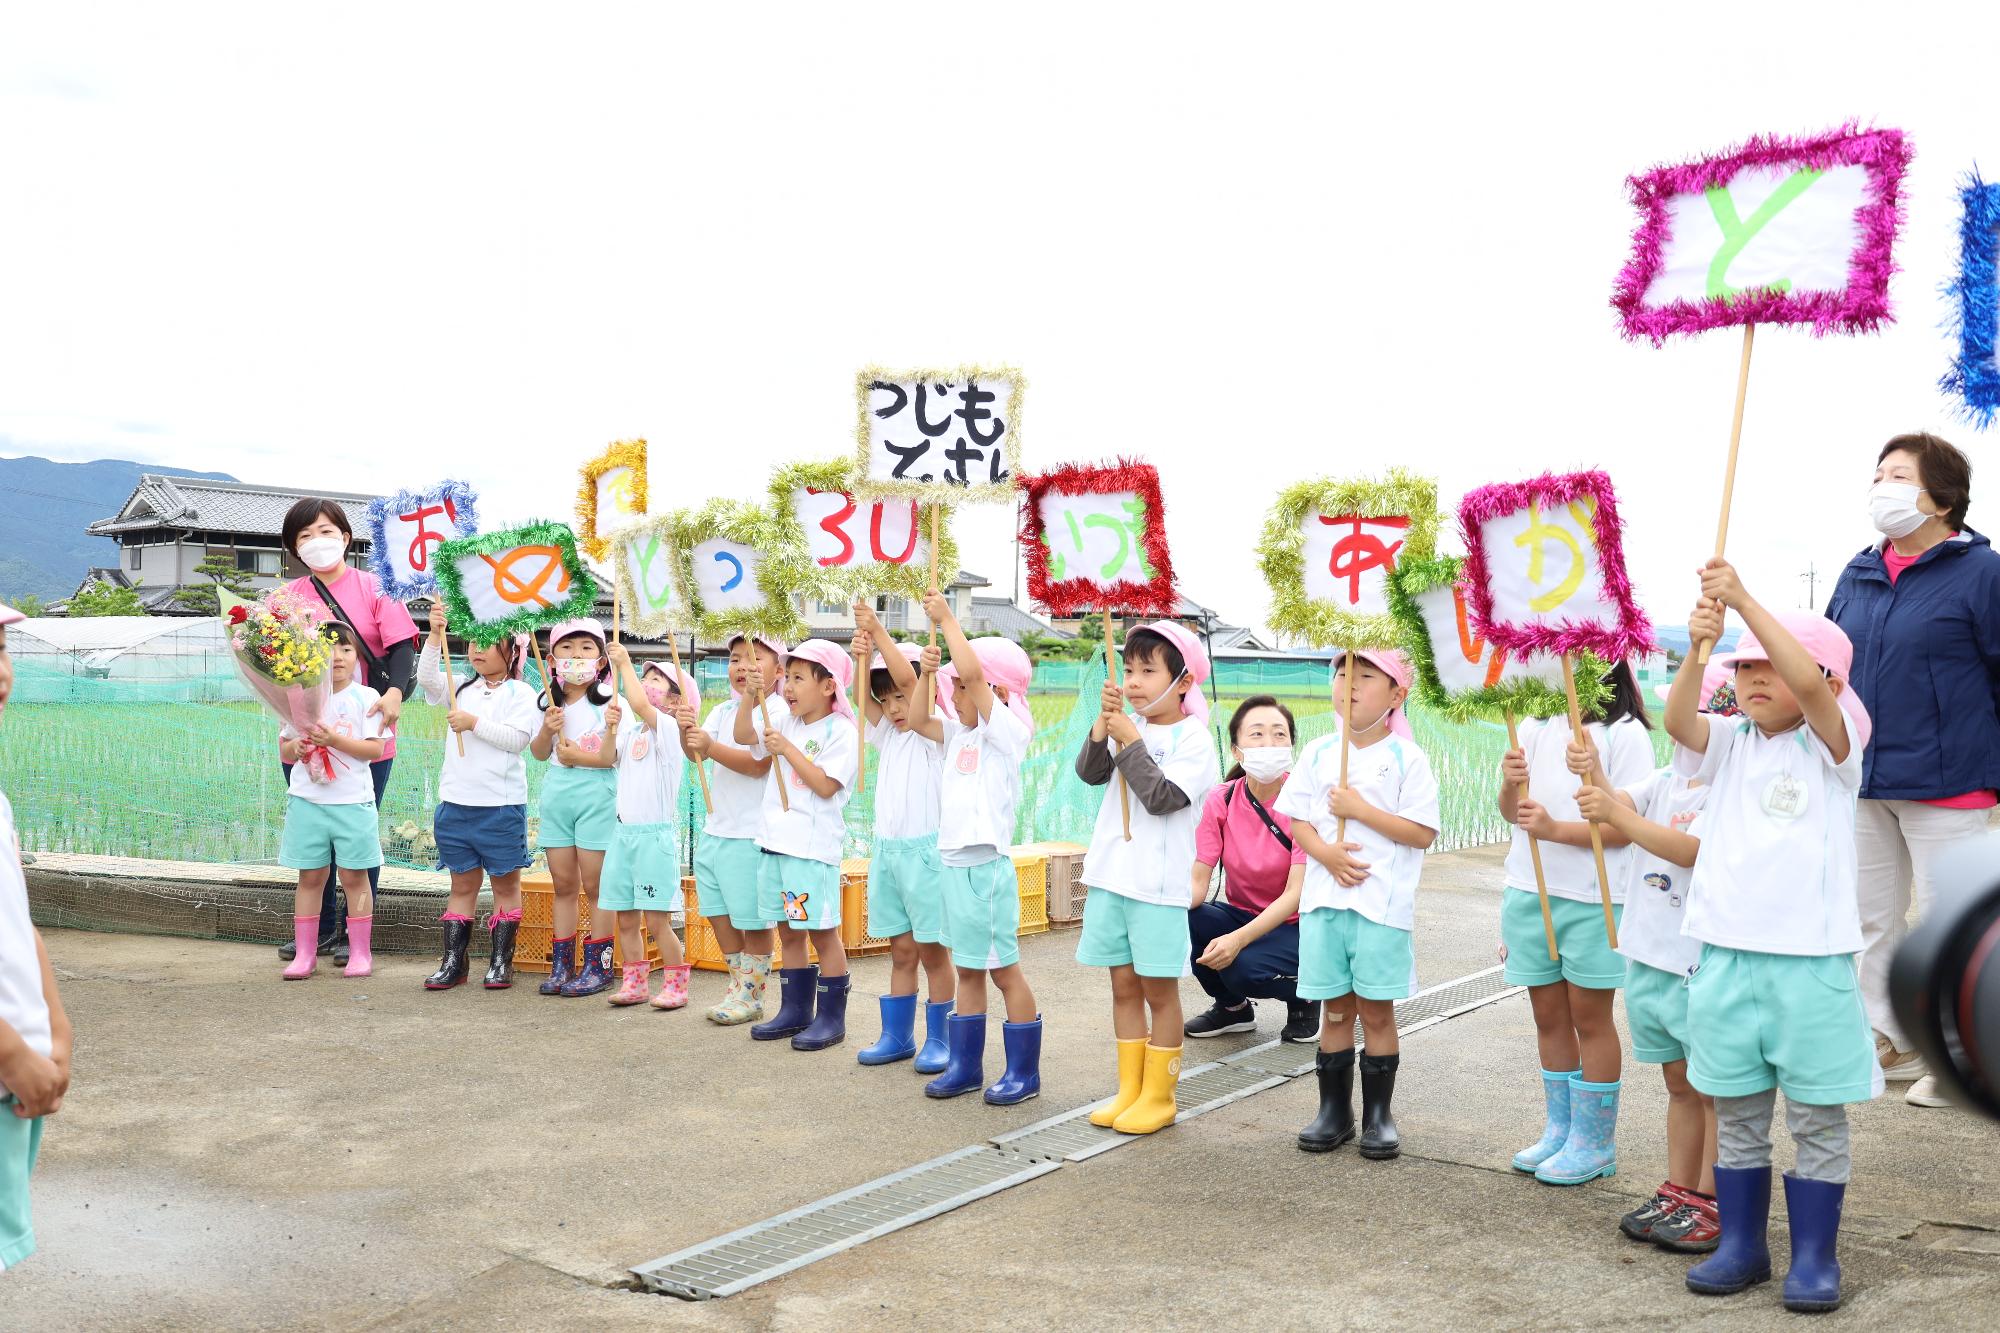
(1301, 1022)
(1899, 1066)
(1639, 1223)
(1219, 1020)
(1926, 1092)
(1693, 1228)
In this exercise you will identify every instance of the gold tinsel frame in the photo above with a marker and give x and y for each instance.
(640, 619)
(938, 492)
(623, 453)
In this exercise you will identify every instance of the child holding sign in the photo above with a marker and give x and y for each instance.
(798, 876)
(905, 876)
(1773, 902)
(579, 808)
(1135, 918)
(1572, 997)
(1358, 906)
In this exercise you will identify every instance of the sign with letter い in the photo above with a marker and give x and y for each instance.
(405, 530)
(1096, 540)
(513, 582)
(1329, 548)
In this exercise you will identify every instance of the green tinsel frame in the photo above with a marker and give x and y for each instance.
(1527, 696)
(938, 492)
(794, 552)
(624, 453)
(639, 619)
(1281, 552)
(582, 599)
(739, 522)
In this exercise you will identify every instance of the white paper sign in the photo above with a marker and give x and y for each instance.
(1466, 662)
(1770, 228)
(1349, 559)
(1543, 569)
(945, 433)
(615, 506)
(725, 575)
(497, 586)
(844, 534)
(649, 573)
(411, 535)
(1098, 537)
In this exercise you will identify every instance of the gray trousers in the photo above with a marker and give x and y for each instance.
(1743, 1136)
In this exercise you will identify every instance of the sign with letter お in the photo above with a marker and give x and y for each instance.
(405, 530)
(833, 544)
(611, 495)
(942, 436)
(728, 584)
(1329, 547)
(514, 582)
(1096, 539)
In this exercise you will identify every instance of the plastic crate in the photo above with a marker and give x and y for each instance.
(706, 954)
(537, 933)
(1065, 880)
(1031, 873)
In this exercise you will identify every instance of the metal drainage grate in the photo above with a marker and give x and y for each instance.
(767, 1249)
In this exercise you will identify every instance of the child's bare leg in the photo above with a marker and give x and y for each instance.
(832, 953)
(660, 925)
(1163, 1001)
(727, 937)
(971, 992)
(1336, 1024)
(630, 946)
(1686, 1134)
(1128, 1004)
(1708, 1147)
(1378, 1025)
(1013, 984)
(903, 964)
(938, 970)
(763, 943)
(312, 888)
(506, 893)
(1555, 1033)
(792, 948)
(360, 897)
(567, 880)
(590, 869)
(1596, 1032)
(464, 899)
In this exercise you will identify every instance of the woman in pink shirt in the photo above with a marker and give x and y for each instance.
(1246, 944)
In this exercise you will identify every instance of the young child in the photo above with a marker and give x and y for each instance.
(1575, 1033)
(1773, 902)
(331, 809)
(905, 876)
(35, 1037)
(579, 808)
(1135, 916)
(482, 815)
(798, 876)
(1358, 906)
(642, 871)
(1657, 816)
(985, 731)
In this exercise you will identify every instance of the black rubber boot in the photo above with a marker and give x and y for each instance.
(329, 937)
(1334, 1125)
(452, 969)
(500, 966)
(1379, 1139)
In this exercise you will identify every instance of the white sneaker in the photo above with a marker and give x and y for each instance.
(1901, 1066)
(1925, 1092)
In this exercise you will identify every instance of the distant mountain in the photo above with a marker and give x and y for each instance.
(44, 508)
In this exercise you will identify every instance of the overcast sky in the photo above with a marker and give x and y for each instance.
(365, 246)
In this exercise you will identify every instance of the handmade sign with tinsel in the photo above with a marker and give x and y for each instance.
(648, 589)
(611, 494)
(498, 584)
(941, 436)
(1974, 292)
(1096, 540)
(832, 544)
(405, 529)
(1329, 547)
(728, 584)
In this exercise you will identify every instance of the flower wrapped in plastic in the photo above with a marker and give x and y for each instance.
(280, 650)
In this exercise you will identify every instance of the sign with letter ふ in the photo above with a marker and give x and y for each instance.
(1329, 547)
(942, 436)
(498, 584)
(405, 530)
(611, 495)
(1096, 539)
(833, 544)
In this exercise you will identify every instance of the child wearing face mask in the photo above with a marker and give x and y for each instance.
(579, 809)
(1359, 901)
(1135, 917)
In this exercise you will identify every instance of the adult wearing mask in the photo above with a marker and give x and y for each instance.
(1922, 608)
(1246, 945)
(318, 533)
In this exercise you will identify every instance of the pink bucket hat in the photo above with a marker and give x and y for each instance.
(8, 615)
(1827, 644)
(586, 626)
(1718, 686)
(1194, 703)
(910, 653)
(683, 678)
(836, 663)
(1002, 662)
(1398, 669)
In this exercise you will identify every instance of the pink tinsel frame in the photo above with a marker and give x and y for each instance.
(1632, 635)
(1072, 597)
(1858, 309)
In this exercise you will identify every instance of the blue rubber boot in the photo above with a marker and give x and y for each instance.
(936, 1054)
(1813, 1208)
(1555, 1133)
(1743, 1259)
(898, 1040)
(966, 1035)
(562, 966)
(596, 973)
(1023, 1078)
(829, 1026)
(795, 1004)
(1591, 1150)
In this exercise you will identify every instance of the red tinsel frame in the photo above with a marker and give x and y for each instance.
(1074, 597)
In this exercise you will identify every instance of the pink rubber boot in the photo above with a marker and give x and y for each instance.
(673, 986)
(305, 931)
(633, 991)
(360, 962)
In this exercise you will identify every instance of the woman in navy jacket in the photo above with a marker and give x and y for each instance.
(1923, 610)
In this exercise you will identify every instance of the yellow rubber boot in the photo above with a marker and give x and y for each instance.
(1155, 1108)
(1131, 1075)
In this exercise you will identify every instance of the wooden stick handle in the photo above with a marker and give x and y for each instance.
(450, 690)
(860, 723)
(1729, 470)
(1111, 671)
(1535, 854)
(1596, 833)
(700, 770)
(614, 610)
(777, 765)
(930, 680)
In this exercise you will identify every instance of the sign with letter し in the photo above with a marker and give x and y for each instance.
(834, 544)
(942, 436)
(514, 582)
(611, 495)
(1329, 547)
(405, 530)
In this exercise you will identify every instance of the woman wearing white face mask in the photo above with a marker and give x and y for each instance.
(318, 535)
(1922, 607)
(1246, 945)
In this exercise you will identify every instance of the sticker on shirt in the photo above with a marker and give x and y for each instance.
(1683, 819)
(968, 758)
(640, 747)
(1665, 884)
(795, 905)
(1159, 755)
(1785, 798)
(590, 742)
(811, 751)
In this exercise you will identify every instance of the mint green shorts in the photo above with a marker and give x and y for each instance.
(725, 881)
(982, 914)
(1656, 1013)
(906, 889)
(1150, 938)
(642, 871)
(803, 894)
(1587, 958)
(579, 808)
(1342, 952)
(1768, 1019)
(20, 1144)
(350, 833)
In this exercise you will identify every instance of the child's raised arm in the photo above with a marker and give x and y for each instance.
(964, 661)
(635, 692)
(1803, 676)
(1684, 722)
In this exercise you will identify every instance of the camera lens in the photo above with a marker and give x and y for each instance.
(1944, 981)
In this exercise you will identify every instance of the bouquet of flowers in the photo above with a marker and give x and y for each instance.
(282, 656)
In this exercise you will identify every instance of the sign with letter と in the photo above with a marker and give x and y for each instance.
(834, 544)
(611, 495)
(1096, 538)
(405, 530)
(513, 582)
(1328, 550)
(728, 584)
(943, 436)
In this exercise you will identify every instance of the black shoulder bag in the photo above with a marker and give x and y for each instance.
(378, 670)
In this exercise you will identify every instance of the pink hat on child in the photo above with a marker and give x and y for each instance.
(1397, 667)
(1002, 662)
(8, 615)
(836, 663)
(1194, 703)
(684, 681)
(1827, 644)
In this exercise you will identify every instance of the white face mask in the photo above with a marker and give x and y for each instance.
(1267, 763)
(576, 670)
(322, 552)
(1892, 508)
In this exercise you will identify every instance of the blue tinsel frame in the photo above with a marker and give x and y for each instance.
(1974, 376)
(463, 499)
